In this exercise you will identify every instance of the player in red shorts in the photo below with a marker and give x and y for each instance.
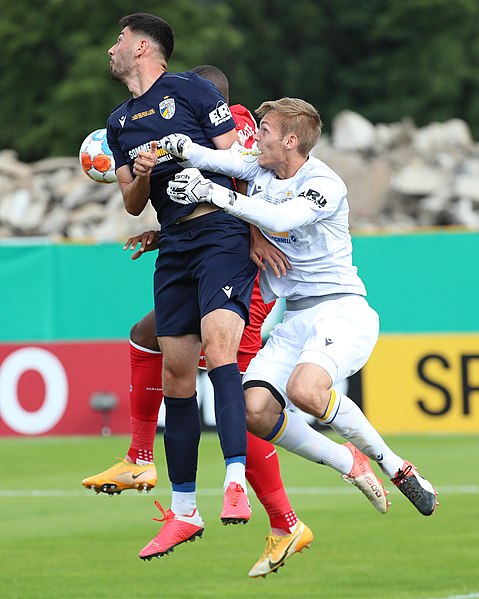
(137, 470)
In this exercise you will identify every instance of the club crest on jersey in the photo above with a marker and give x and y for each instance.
(314, 196)
(167, 107)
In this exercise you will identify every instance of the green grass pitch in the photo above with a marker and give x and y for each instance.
(60, 541)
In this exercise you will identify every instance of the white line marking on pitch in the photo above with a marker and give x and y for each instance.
(459, 490)
(471, 596)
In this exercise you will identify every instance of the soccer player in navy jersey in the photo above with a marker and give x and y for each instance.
(137, 471)
(204, 278)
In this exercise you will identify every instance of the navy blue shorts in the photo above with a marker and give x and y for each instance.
(203, 264)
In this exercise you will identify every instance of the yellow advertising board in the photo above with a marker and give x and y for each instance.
(423, 383)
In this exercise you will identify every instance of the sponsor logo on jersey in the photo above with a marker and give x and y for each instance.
(167, 107)
(122, 120)
(163, 155)
(141, 115)
(282, 237)
(314, 196)
(220, 114)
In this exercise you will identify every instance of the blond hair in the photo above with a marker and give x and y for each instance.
(298, 117)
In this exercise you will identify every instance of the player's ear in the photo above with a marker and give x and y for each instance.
(141, 46)
(291, 141)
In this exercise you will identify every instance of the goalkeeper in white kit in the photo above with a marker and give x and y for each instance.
(328, 330)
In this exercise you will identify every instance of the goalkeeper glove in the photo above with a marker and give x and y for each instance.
(190, 187)
(177, 145)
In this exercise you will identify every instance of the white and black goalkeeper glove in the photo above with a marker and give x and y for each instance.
(190, 187)
(177, 144)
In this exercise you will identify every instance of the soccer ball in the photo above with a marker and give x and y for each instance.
(96, 157)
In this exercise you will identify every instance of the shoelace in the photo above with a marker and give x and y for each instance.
(401, 475)
(271, 543)
(169, 515)
(166, 516)
(235, 494)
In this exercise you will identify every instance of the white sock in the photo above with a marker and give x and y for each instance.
(297, 436)
(235, 473)
(280, 532)
(345, 418)
(183, 504)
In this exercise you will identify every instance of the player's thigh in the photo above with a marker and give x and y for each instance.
(274, 363)
(339, 335)
(221, 332)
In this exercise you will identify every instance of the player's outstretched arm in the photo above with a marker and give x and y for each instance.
(190, 187)
(237, 161)
(273, 217)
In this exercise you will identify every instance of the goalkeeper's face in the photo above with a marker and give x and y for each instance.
(270, 142)
(122, 56)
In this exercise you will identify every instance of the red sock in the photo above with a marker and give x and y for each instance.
(146, 395)
(263, 474)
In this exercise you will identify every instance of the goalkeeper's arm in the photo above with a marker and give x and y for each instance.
(189, 187)
(237, 161)
(286, 216)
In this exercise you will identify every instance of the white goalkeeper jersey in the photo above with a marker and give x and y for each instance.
(311, 211)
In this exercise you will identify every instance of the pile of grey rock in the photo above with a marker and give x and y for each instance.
(399, 176)
(55, 198)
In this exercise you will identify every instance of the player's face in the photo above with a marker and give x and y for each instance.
(121, 56)
(270, 142)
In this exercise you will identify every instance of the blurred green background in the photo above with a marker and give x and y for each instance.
(382, 58)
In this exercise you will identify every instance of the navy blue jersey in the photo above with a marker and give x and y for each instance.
(175, 103)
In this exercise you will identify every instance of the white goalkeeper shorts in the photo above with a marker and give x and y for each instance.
(338, 335)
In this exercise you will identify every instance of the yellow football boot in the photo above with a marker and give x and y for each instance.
(278, 549)
(122, 476)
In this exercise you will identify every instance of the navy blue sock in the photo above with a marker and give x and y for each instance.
(181, 438)
(230, 409)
